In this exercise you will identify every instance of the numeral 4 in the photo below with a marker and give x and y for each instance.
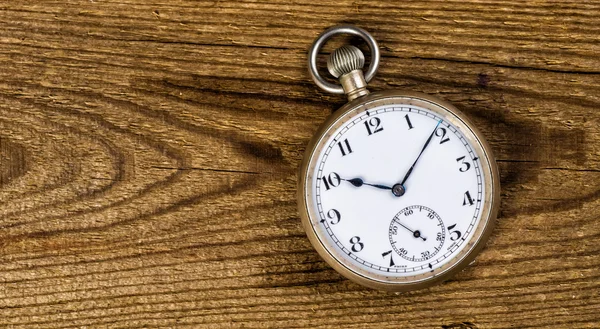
(467, 199)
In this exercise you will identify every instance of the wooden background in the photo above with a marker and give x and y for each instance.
(149, 150)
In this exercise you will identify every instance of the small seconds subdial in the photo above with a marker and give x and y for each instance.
(417, 233)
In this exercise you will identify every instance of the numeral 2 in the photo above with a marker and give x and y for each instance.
(373, 125)
(441, 135)
(345, 147)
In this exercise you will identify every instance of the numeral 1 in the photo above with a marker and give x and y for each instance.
(410, 126)
(345, 147)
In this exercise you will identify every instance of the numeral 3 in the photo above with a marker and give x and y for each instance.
(465, 165)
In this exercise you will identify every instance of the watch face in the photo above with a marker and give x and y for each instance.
(398, 191)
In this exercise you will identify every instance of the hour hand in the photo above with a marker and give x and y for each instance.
(358, 182)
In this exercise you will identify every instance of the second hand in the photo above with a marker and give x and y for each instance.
(416, 233)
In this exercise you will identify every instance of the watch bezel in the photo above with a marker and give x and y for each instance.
(488, 212)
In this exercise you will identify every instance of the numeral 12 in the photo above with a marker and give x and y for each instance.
(373, 125)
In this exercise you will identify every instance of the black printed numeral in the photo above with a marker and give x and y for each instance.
(356, 244)
(467, 199)
(464, 165)
(373, 125)
(441, 133)
(345, 147)
(334, 216)
(333, 180)
(454, 234)
(410, 126)
(391, 257)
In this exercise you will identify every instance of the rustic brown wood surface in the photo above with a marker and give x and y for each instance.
(148, 157)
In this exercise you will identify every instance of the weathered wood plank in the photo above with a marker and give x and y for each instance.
(148, 156)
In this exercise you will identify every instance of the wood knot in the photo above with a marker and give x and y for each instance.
(483, 80)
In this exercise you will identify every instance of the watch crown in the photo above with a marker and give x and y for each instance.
(345, 60)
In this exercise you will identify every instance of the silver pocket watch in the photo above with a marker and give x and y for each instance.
(397, 190)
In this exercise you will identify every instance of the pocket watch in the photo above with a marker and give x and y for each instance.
(397, 190)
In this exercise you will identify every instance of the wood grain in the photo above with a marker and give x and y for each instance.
(149, 149)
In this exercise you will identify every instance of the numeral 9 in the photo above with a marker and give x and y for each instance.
(334, 215)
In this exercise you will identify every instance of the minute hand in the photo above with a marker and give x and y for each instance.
(422, 150)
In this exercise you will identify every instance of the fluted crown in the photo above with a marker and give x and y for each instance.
(345, 60)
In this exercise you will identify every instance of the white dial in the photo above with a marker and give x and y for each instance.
(396, 190)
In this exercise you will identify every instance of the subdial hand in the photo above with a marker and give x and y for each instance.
(416, 233)
(419, 156)
(358, 182)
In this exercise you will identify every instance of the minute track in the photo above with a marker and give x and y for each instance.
(346, 129)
